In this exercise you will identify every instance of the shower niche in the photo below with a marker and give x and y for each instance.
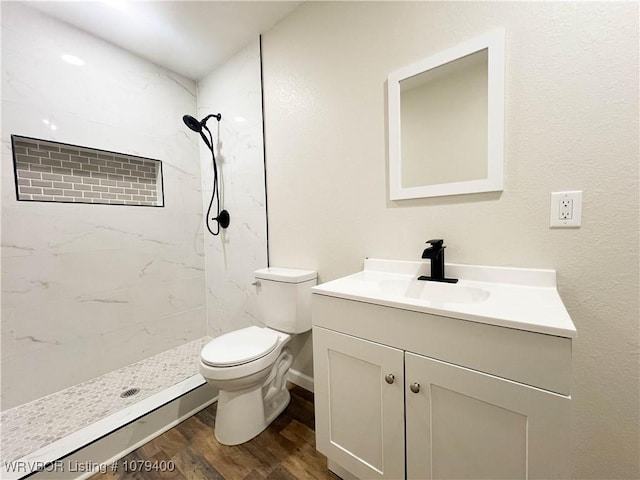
(48, 171)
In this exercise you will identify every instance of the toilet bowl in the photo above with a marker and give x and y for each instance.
(249, 366)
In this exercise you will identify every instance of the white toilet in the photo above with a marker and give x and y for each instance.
(249, 366)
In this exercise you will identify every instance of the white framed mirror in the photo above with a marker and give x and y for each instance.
(446, 121)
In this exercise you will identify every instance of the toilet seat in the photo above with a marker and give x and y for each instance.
(239, 347)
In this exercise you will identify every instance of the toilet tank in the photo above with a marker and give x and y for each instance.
(284, 298)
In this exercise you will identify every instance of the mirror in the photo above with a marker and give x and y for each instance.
(446, 122)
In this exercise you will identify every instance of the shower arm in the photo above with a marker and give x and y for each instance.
(217, 116)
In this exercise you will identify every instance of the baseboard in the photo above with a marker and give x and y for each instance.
(101, 455)
(340, 471)
(300, 379)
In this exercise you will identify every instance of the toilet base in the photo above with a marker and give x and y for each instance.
(244, 414)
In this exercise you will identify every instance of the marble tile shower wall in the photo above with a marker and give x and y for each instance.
(235, 91)
(88, 289)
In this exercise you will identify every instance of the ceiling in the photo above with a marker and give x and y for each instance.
(188, 37)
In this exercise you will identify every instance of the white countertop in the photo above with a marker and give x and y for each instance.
(524, 299)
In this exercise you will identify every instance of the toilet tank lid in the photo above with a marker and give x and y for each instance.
(288, 275)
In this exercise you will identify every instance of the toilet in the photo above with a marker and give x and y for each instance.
(249, 366)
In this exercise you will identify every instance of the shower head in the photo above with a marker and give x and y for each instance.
(196, 125)
(192, 123)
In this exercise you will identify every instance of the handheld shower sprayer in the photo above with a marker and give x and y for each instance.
(222, 217)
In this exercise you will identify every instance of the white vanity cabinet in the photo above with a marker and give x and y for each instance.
(406, 394)
(465, 424)
(359, 404)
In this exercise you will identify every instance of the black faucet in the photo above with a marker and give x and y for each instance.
(435, 253)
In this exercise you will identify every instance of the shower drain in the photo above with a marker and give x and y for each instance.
(129, 393)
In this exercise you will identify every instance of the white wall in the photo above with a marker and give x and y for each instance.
(234, 90)
(87, 289)
(571, 123)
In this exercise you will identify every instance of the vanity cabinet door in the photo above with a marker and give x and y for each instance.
(465, 424)
(359, 404)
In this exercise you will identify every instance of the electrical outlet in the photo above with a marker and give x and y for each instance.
(566, 209)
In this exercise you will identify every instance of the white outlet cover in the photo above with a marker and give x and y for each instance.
(554, 211)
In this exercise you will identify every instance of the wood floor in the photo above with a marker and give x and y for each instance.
(284, 451)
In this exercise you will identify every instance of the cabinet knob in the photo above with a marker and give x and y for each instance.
(389, 378)
(415, 387)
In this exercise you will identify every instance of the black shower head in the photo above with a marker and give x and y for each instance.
(192, 123)
(196, 125)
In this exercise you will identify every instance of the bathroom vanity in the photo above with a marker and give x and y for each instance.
(425, 380)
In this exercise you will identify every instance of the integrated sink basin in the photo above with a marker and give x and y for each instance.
(431, 292)
(525, 299)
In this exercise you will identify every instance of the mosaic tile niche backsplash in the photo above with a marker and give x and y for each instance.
(47, 171)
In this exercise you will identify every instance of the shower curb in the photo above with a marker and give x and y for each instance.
(99, 445)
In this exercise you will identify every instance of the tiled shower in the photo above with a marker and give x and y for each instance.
(102, 294)
(37, 425)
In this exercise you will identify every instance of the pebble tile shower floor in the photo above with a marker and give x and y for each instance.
(34, 425)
